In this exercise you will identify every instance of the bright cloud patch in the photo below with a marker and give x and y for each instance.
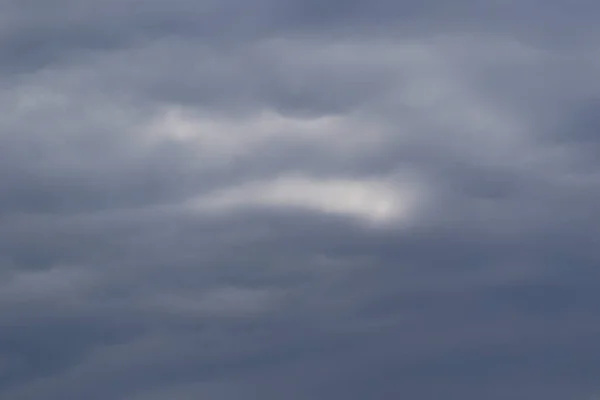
(376, 201)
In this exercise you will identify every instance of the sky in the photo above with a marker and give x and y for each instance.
(299, 199)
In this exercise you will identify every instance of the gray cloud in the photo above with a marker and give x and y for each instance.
(294, 199)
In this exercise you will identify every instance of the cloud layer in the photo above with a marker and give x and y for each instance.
(299, 199)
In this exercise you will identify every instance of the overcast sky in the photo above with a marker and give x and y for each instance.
(299, 199)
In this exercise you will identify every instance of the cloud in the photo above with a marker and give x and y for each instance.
(377, 202)
(299, 199)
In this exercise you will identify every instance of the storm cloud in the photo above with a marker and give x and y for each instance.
(299, 199)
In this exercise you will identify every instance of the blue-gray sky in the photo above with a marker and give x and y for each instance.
(299, 199)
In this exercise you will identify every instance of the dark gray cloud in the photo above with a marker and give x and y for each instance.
(298, 199)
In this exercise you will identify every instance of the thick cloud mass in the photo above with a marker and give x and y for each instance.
(311, 200)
